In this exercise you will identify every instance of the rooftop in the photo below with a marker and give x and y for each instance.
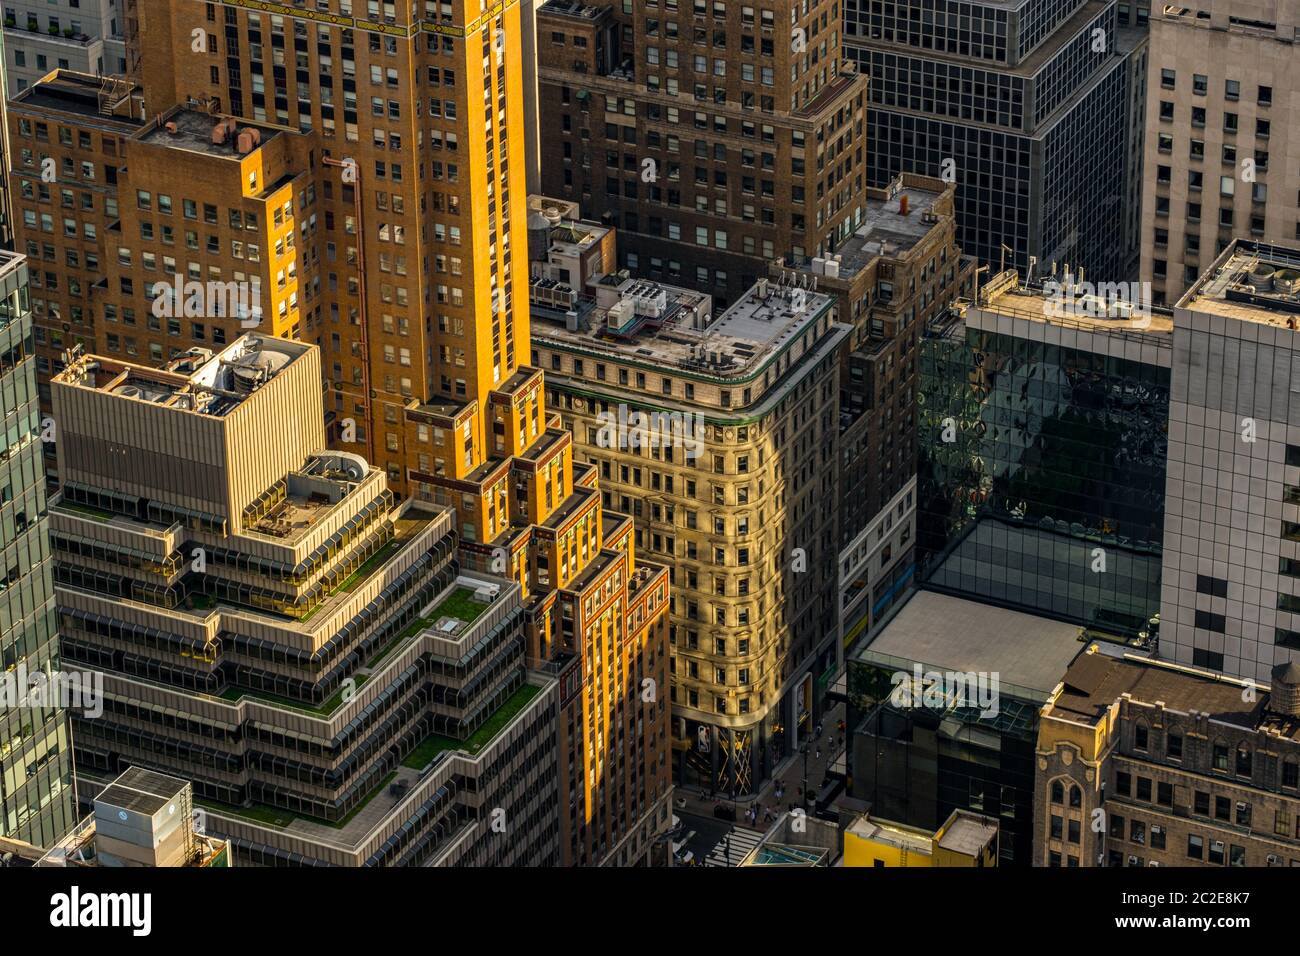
(573, 236)
(297, 502)
(903, 837)
(572, 8)
(967, 833)
(81, 94)
(1022, 649)
(199, 381)
(1250, 282)
(386, 794)
(738, 342)
(1075, 302)
(193, 130)
(887, 230)
(140, 790)
(1096, 680)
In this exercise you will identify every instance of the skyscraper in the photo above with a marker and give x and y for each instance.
(36, 803)
(1230, 599)
(1042, 442)
(1022, 104)
(82, 35)
(717, 432)
(390, 233)
(715, 136)
(1221, 136)
(416, 114)
(272, 627)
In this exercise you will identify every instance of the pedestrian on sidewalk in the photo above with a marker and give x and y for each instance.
(840, 725)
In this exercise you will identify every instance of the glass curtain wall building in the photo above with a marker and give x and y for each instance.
(1021, 103)
(1041, 473)
(36, 803)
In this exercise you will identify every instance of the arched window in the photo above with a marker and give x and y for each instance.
(1244, 761)
(1058, 792)
(1220, 751)
(1076, 797)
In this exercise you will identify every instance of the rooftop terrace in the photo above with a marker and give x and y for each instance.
(81, 94)
(300, 500)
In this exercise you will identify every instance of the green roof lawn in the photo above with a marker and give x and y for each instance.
(435, 744)
(459, 604)
(280, 817)
(324, 710)
(97, 513)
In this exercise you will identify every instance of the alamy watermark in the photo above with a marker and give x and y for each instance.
(1102, 300)
(938, 690)
(71, 690)
(210, 299)
(628, 429)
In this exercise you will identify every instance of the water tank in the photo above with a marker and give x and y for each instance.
(1285, 696)
(128, 391)
(539, 236)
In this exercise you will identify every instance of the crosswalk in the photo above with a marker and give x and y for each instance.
(733, 847)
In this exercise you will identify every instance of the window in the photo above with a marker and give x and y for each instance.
(1205, 584)
(1140, 736)
(1220, 751)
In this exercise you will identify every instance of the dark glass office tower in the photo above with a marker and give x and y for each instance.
(1024, 102)
(35, 759)
(1050, 494)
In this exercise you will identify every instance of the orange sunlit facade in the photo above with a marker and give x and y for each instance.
(386, 187)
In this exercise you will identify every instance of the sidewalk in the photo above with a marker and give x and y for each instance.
(789, 774)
